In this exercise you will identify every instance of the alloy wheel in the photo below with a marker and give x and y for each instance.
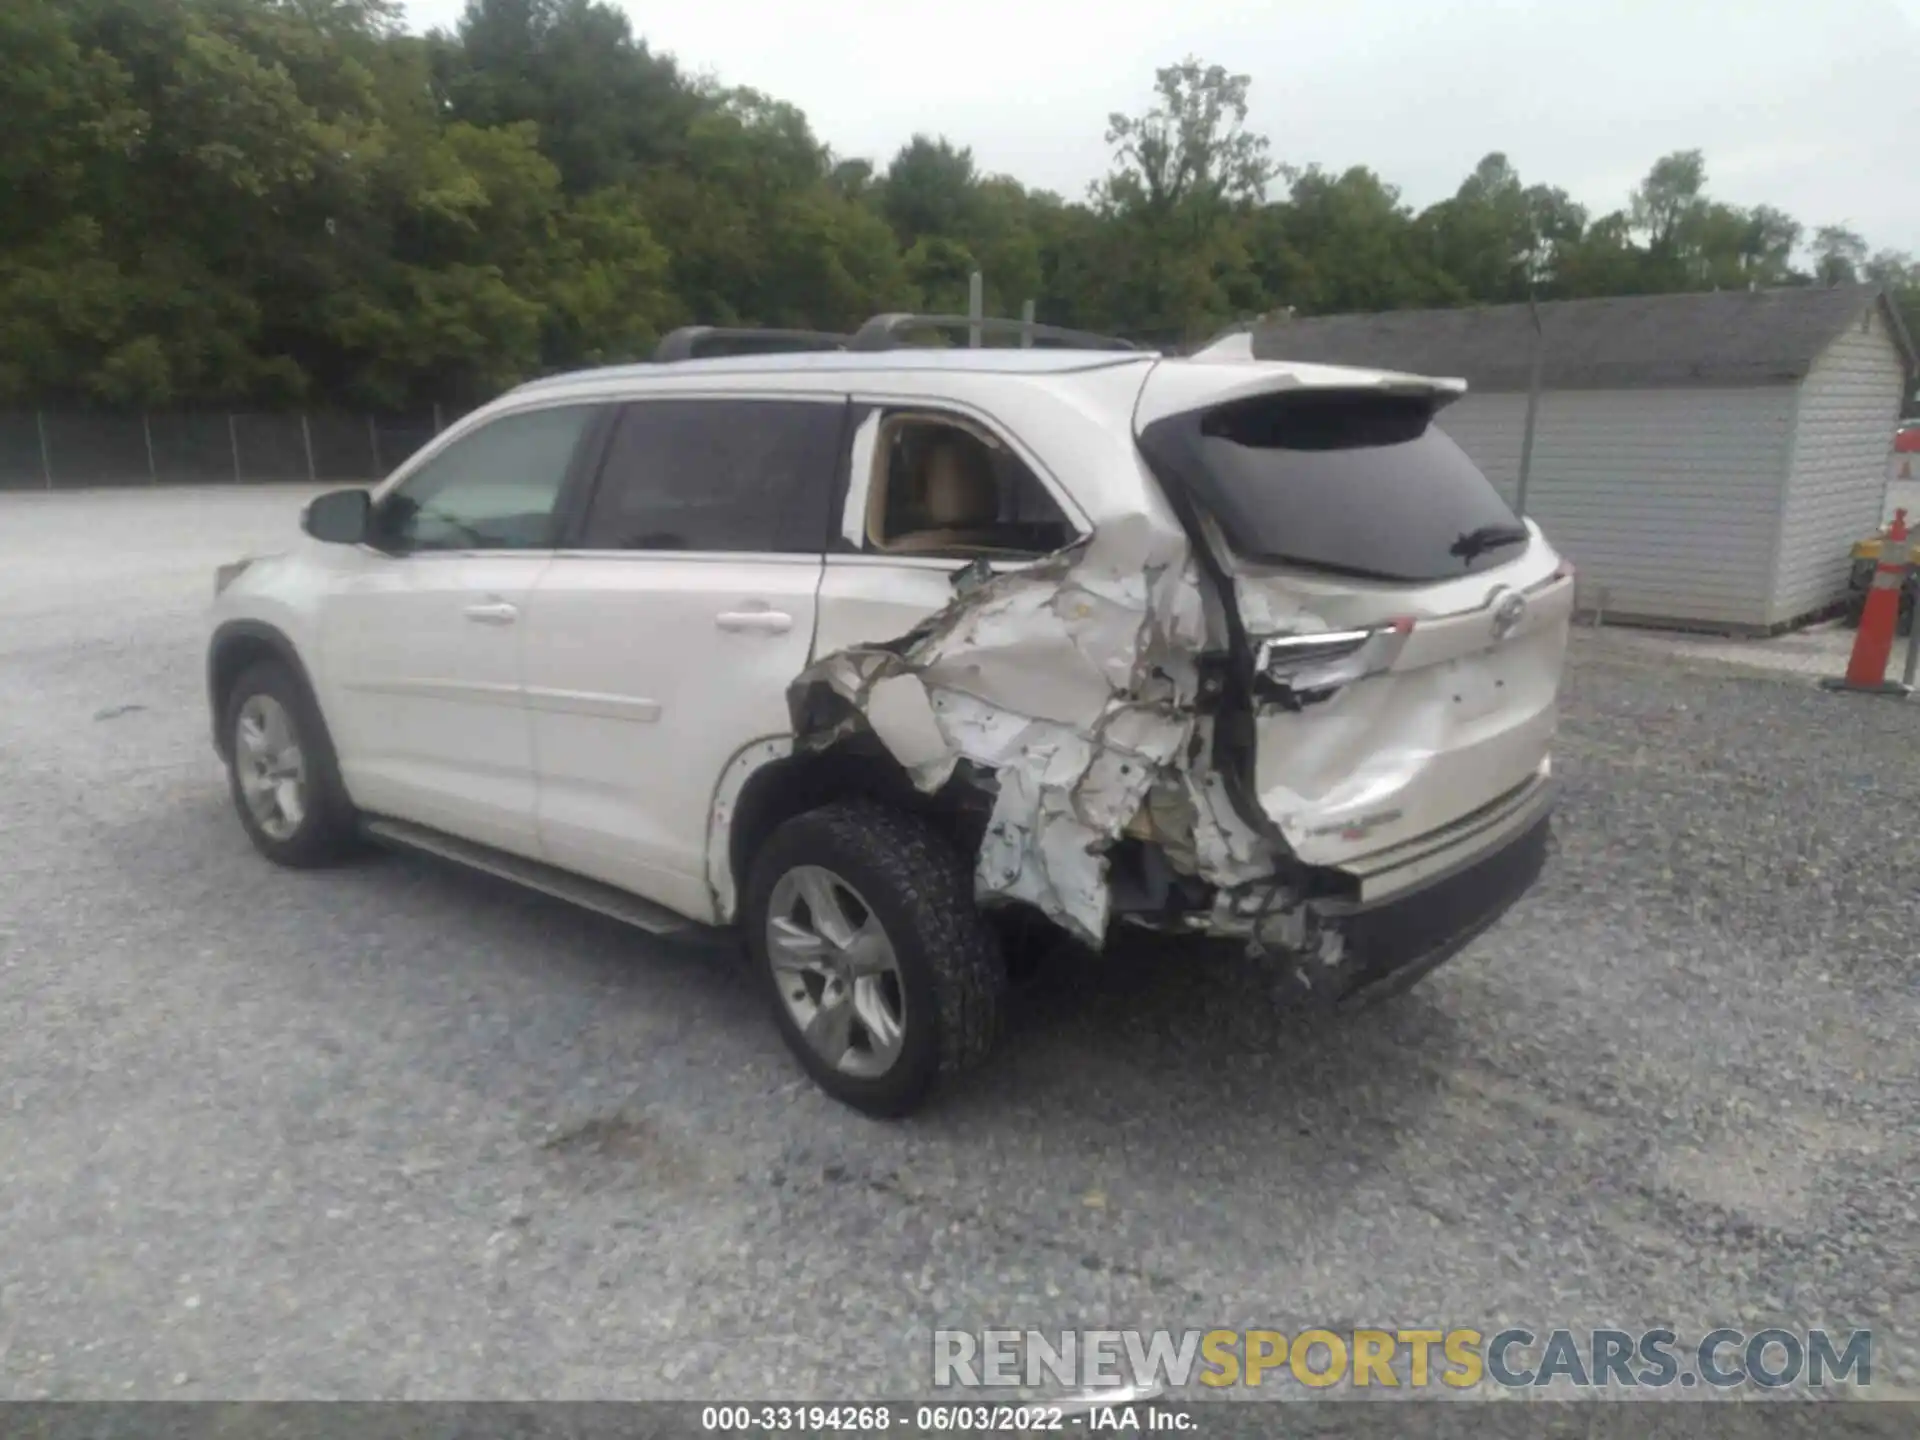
(271, 769)
(836, 971)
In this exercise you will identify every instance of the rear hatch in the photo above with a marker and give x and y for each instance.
(1400, 633)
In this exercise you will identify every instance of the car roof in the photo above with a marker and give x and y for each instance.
(920, 359)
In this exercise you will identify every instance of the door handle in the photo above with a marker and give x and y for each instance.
(494, 612)
(766, 622)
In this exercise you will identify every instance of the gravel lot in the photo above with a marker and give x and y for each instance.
(396, 1132)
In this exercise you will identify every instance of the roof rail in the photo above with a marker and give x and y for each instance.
(883, 332)
(696, 342)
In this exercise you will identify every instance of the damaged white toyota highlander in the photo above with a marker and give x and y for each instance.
(867, 647)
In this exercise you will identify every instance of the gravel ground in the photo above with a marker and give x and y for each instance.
(396, 1132)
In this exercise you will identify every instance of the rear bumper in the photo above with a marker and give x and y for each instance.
(1428, 859)
(1411, 916)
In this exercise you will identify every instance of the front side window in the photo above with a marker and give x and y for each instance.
(718, 475)
(497, 488)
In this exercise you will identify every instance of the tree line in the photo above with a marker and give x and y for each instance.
(295, 202)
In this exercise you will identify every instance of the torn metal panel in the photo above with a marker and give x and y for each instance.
(1073, 682)
(901, 714)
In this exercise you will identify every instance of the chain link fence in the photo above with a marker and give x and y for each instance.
(70, 450)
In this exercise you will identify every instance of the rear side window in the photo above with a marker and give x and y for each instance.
(945, 488)
(727, 475)
(1358, 484)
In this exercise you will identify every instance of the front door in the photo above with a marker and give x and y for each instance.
(421, 632)
(662, 642)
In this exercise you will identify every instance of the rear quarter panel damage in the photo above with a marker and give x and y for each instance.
(1073, 684)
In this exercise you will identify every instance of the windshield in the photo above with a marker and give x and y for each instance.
(1363, 484)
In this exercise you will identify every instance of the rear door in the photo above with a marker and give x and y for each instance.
(893, 563)
(1403, 631)
(661, 641)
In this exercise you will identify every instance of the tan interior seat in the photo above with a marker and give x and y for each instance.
(960, 497)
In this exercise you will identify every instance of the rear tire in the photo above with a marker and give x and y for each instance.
(282, 772)
(863, 928)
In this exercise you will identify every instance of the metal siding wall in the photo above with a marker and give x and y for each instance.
(1849, 404)
(1665, 499)
(1490, 428)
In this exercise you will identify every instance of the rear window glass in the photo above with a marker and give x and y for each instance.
(1363, 485)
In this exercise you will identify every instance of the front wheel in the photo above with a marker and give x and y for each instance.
(883, 975)
(280, 768)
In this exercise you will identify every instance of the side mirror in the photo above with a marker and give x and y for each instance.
(340, 517)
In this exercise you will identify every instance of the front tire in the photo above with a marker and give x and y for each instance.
(282, 773)
(883, 975)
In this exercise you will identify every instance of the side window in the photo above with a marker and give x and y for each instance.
(495, 489)
(730, 475)
(942, 487)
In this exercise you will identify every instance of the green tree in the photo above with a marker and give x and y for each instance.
(930, 188)
(277, 201)
(606, 106)
(1603, 261)
(1669, 198)
(1186, 173)
(1489, 236)
(1767, 246)
(1839, 255)
(1359, 246)
(1894, 269)
(1191, 151)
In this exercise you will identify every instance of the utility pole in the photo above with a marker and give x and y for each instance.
(976, 307)
(1533, 407)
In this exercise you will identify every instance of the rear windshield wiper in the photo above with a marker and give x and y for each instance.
(1487, 537)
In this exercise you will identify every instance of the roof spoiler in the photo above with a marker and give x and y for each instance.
(1233, 344)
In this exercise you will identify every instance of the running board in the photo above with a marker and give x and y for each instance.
(588, 894)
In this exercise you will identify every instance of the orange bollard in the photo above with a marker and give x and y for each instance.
(1873, 644)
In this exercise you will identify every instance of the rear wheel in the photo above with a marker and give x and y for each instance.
(883, 975)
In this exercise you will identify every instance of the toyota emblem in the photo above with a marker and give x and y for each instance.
(1508, 611)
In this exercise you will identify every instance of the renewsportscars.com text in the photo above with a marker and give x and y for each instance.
(1459, 1358)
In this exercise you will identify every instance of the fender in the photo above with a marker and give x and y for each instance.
(747, 762)
(221, 668)
(772, 779)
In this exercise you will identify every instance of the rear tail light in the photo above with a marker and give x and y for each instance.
(1302, 670)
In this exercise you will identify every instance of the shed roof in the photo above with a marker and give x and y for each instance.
(1722, 337)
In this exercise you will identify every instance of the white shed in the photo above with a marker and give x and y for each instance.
(1705, 460)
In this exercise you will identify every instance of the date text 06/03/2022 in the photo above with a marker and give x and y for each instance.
(943, 1417)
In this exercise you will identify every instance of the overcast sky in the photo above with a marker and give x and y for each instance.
(1811, 105)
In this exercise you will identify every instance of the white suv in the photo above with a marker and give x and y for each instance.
(865, 646)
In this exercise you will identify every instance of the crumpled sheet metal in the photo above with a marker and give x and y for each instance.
(1074, 682)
